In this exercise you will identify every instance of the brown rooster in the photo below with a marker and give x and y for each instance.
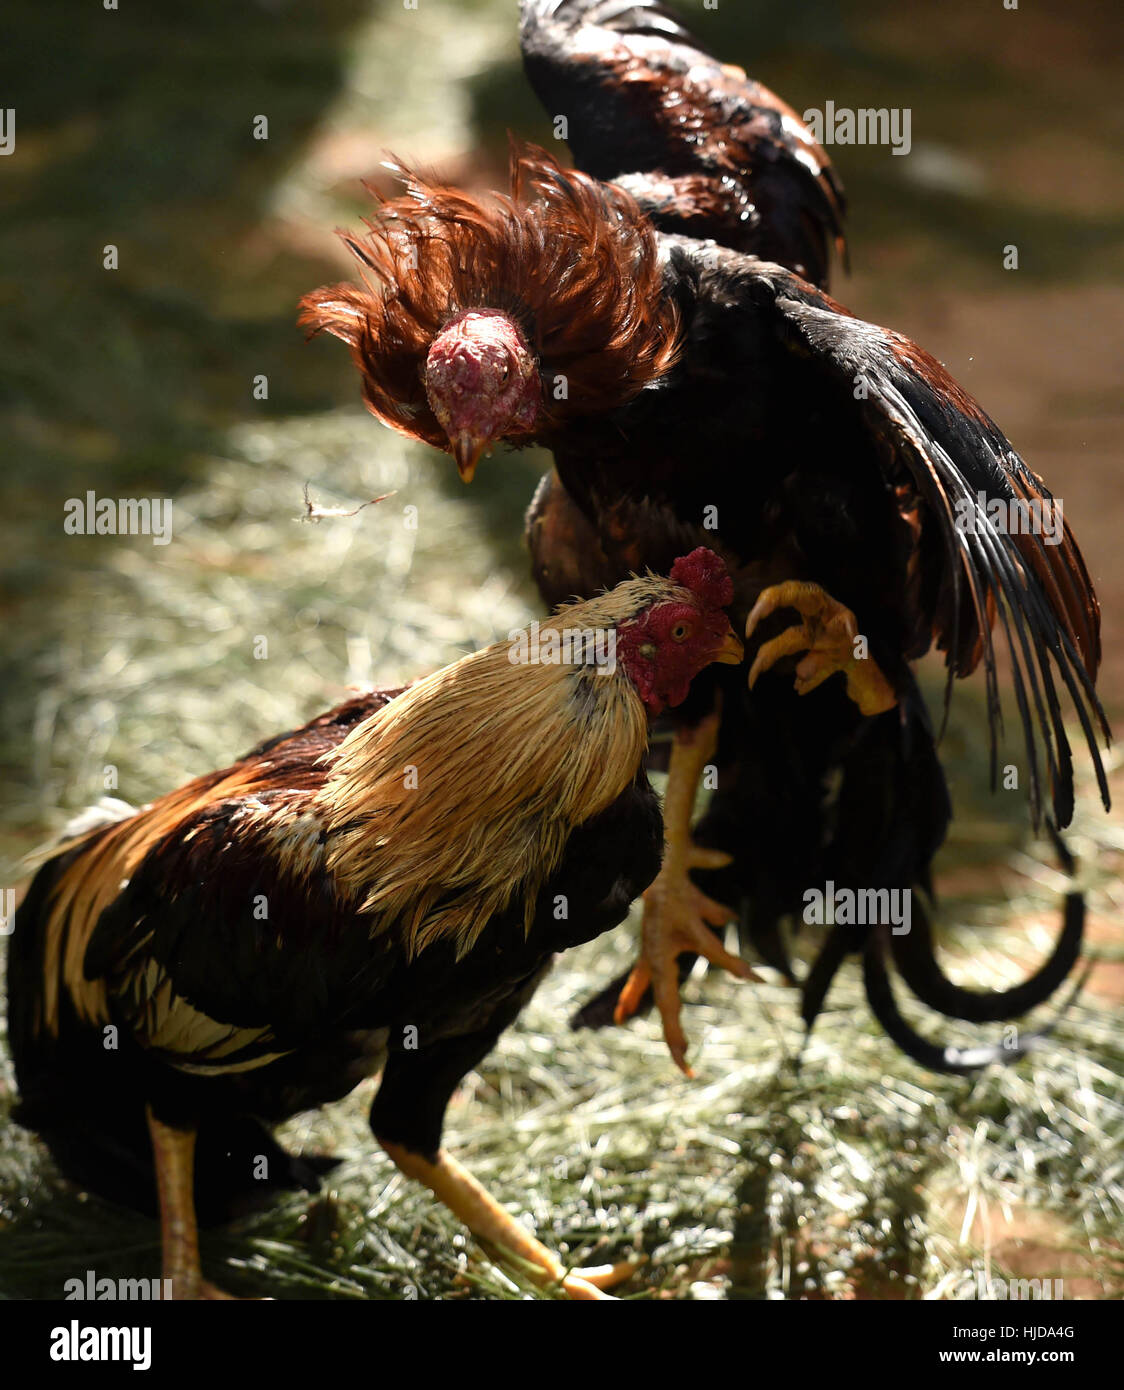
(692, 393)
(382, 888)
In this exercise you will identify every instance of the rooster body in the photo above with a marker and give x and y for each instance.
(380, 889)
(264, 1017)
(762, 401)
(692, 392)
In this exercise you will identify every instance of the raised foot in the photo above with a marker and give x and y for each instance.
(677, 919)
(830, 635)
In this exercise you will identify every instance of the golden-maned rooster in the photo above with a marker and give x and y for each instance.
(692, 392)
(382, 888)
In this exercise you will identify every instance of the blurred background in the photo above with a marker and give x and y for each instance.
(130, 667)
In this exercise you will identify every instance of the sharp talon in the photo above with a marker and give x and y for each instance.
(828, 634)
(743, 970)
(628, 1001)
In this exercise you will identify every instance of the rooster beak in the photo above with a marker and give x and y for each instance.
(467, 449)
(731, 651)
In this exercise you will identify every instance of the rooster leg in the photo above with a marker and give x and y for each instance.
(828, 634)
(456, 1188)
(174, 1154)
(677, 916)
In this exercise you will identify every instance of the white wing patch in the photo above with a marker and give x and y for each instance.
(164, 1021)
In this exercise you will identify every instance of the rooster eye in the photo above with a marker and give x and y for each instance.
(505, 372)
(680, 632)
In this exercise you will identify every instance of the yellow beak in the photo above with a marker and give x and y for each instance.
(731, 652)
(467, 449)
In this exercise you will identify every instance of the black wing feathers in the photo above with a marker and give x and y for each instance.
(704, 149)
(919, 418)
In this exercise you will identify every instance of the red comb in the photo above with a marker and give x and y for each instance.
(705, 574)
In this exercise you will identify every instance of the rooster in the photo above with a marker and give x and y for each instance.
(381, 888)
(691, 392)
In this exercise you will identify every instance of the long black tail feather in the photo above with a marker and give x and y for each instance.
(949, 1060)
(914, 955)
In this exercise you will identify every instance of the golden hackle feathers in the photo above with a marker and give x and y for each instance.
(462, 793)
(574, 262)
(429, 816)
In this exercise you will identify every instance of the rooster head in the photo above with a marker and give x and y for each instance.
(482, 383)
(503, 316)
(667, 644)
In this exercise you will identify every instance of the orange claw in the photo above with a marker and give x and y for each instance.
(495, 1227)
(677, 920)
(828, 634)
(676, 913)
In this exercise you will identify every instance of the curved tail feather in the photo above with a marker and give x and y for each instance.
(949, 1060)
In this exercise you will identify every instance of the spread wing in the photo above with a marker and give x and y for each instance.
(706, 150)
(992, 543)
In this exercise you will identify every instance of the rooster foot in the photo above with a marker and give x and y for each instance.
(499, 1231)
(829, 634)
(678, 918)
(590, 1282)
(173, 1152)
